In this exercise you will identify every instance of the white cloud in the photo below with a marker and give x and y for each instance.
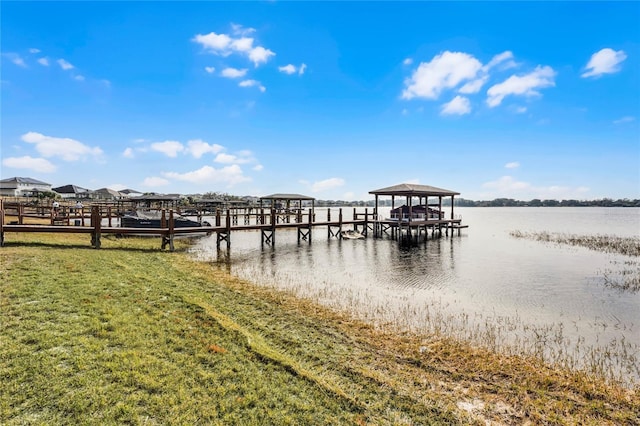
(243, 44)
(36, 164)
(215, 43)
(407, 61)
(512, 165)
(473, 86)
(197, 148)
(209, 175)
(458, 106)
(34, 50)
(168, 148)
(520, 110)
(507, 186)
(327, 184)
(79, 77)
(243, 157)
(128, 153)
(44, 62)
(154, 182)
(238, 29)
(225, 45)
(64, 64)
(504, 59)
(605, 61)
(16, 59)
(260, 54)
(445, 71)
(258, 167)
(527, 85)
(292, 69)
(625, 119)
(65, 148)
(287, 69)
(233, 72)
(210, 70)
(252, 83)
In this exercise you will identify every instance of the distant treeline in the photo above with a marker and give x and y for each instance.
(509, 202)
(498, 202)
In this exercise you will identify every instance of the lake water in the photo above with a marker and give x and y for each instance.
(484, 286)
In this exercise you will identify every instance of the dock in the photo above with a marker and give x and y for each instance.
(409, 224)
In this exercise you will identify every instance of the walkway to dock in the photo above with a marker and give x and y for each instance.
(267, 221)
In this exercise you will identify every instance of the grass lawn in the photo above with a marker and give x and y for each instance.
(135, 335)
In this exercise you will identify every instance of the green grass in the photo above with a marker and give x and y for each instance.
(130, 334)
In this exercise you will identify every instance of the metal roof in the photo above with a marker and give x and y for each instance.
(71, 189)
(286, 197)
(108, 191)
(24, 180)
(409, 189)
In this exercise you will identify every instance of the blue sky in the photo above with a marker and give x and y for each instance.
(328, 99)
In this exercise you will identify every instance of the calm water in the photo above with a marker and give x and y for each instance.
(485, 286)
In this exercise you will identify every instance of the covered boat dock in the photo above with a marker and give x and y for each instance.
(412, 220)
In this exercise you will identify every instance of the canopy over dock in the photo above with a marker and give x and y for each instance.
(411, 191)
(284, 201)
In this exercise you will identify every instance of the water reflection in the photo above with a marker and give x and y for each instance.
(537, 295)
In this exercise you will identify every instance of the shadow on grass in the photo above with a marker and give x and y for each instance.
(87, 246)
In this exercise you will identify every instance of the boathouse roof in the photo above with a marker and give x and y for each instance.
(286, 197)
(410, 189)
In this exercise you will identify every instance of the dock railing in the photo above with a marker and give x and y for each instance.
(99, 219)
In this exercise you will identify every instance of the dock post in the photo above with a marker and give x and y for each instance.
(310, 226)
(168, 237)
(96, 223)
(226, 234)
(355, 217)
(229, 230)
(1, 223)
(274, 219)
(301, 230)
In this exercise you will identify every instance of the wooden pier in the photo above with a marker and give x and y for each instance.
(100, 221)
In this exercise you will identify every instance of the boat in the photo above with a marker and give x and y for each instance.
(153, 219)
(351, 235)
(418, 213)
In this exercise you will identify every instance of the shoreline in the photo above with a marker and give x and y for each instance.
(421, 378)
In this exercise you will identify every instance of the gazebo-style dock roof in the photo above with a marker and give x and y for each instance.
(413, 190)
(287, 199)
(421, 192)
